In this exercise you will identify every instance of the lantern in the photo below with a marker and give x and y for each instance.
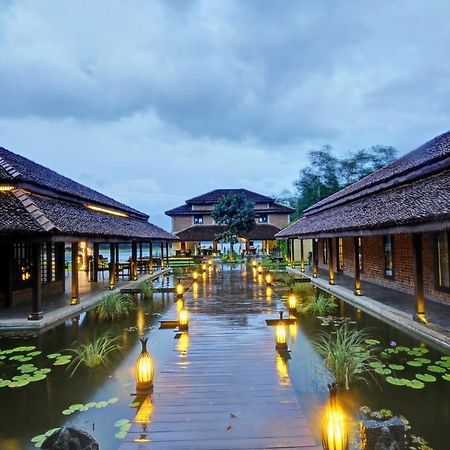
(334, 429)
(195, 275)
(269, 279)
(183, 319)
(144, 370)
(179, 289)
(292, 302)
(280, 336)
(204, 267)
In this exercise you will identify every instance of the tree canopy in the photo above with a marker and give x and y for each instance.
(326, 174)
(236, 213)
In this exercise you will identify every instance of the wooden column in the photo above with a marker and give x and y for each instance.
(112, 266)
(75, 299)
(49, 262)
(302, 256)
(95, 262)
(289, 251)
(150, 249)
(133, 262)
(36, 282)
(60, 263)
(215, 247)
(329, 244)
(292, 253)
(167, 254)
(418, 278)
(7, 274)
(162, 255)
(357, 272)
(315, 257)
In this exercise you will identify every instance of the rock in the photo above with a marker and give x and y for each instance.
(69, 438)
(383, 434)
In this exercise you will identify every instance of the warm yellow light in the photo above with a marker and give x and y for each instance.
(282, 369)
(183, 345)
(106, 211)
(6, 187)
(260, 279)
(260, 269)
(179, 289)
(140, 321)
(268, 279)
(144, 412)
(292, 301)
(74, 301)
(183, 319)
(280, 334)
(204, 267)
(269, 293)
(180, 305)
(210, 262)
(254, 263)
(195, 275)
(144, 370)
(334, 429)
(293, 331)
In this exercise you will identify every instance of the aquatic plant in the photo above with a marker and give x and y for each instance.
(286, 279)
(320, 305)
(113, 306)
(304, 291)
(95, 353)
(346, 356)
(146, 289)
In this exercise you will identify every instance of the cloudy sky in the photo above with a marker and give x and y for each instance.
(153, 102)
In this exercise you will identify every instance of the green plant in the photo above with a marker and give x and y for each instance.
(346, 355)
(114, 306)
(303, 290)
(319, 306)
(146, 288)
(95, 353)
(286, 279)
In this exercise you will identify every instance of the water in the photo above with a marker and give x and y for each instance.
(37, 407)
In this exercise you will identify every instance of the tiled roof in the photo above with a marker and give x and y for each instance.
(183, 210)
(209, 232)
(20, 169)
(214, 196)
(25, 213)
(262, 232)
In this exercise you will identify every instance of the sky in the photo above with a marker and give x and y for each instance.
(154, 102)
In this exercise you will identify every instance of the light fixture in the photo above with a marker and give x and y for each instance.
(254, 263)
(195, 275)
(292, 302)
(334, 429)
(179, 289)
(260, 269)
(112, 212)
(269, 279)
(6, 188)
(144, 370)
(281, 335)
(183, 319)
(204, 267)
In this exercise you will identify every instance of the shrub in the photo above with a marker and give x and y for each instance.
(319, 306)
(114, 306)
(146, 288)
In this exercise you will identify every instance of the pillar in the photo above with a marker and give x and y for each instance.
(150, 260)
(302, 256)
(357, 271)
(329, 243)
(418, 278)
(315, 257)
(7, 275)
(60, 263)
(75, 286)
(112, 266)
(133, 262)
(289, 251)
(292, 253)
(36, 282)
(167, 254)
(49, 262)
(95, 262)
(162, 255)
(215, 247)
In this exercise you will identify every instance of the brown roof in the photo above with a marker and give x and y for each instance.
(412, 193)
(198, 233)
(214, 196)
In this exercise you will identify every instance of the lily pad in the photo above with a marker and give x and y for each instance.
(67, 412)
(414, 363)
(382, 371)
(415, 384)
(426, 377)
(113, 400)
(436, 369)
(121, 422)
(397, 381)
(446, 377)
(102, 404)
(377, 365)
(396, 367)
(372, 341)
(120, 434)
(36, 353)
(54, 355)
(402, 348)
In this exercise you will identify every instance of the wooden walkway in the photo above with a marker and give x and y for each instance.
(225, 386)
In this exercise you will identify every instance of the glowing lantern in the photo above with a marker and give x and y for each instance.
(195, 275)
(269, 279)
(292, 302)
(183, 320)
(334, 429)
(204, 267)
(180, 289)
(280, 336)
(144, 370)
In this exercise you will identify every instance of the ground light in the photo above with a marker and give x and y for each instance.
(179, 289)
(260, 269)
(334, 429)
(204, 267)
(254, 263)
(144, 370)
(269, 279)
(183, 319)
(292, 302)
(195, 275)
(281, 335)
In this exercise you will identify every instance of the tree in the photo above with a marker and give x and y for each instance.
(236, 213)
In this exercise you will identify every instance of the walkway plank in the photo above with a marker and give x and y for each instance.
(225, 387)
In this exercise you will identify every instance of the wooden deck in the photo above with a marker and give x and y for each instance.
(225, 387)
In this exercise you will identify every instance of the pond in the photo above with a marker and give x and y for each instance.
(100, 400)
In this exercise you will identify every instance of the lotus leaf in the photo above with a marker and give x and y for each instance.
(25, 359)
(113, 400)
(15, 357)
(4, 383)
(415, 384)
(446, 377)
(121, 422)
(54, 355)
(377, 365)
(426, 377)
(423, 360)
(383, 371)
(27, 368)
(120, 434)
(402, 348)
(76, 407)
(67, 412)
(396, 366)
(436, 369)
(397, 381)
(372, 342)
(36, 353)
(102, 404)
(414, 363)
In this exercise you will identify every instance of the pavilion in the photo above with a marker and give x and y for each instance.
(40, 212)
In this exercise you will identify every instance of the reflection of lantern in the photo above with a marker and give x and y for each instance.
(254, 263)
(269, 279)
(144, 370)
(180, 304)
(334, 429)
(292, 302)
(195, 275)
(204, 267)
(210, 262)
(183, 319)
(260, 269)
(180, 289)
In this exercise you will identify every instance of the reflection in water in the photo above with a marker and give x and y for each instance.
(260, 279)
(282, 369)
(195, 290)
(269, 294)
(293, 329)
(143, 418)
(140, 320)
(183, 345)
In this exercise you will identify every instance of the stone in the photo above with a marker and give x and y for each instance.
(70, 438)
(383, 434)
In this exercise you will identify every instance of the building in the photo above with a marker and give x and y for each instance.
(391, 228)
(194, 225)
(41, 212)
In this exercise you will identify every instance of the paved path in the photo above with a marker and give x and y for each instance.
(225, 386)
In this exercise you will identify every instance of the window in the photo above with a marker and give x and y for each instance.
(263, 218)
(48, 265)
(22, 259)
(324, 251)
(388, 259)
(360, 255)
(443, 263)
(198, 220)
(340, 255)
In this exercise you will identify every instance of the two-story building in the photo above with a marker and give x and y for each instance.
(194, 225)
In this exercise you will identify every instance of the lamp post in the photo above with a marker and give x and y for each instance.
(194, 275)
(269, 279)
(280, 335)
(144, 370)
(334, 429)
(292, 302)
(183, 319)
